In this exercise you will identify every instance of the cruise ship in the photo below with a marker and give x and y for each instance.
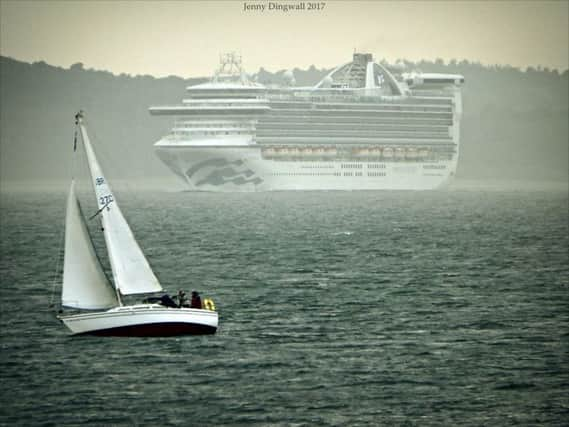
(364, 126)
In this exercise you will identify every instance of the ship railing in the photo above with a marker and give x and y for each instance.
(360, 159)
(440, 93)
(319, 97)
(194, 124)
(358, 97)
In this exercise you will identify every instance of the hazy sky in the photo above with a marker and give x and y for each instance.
(185, 38)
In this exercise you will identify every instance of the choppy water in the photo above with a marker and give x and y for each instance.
(434, 308)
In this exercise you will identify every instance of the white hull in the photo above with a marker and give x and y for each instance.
(143, 320)
(230, 169)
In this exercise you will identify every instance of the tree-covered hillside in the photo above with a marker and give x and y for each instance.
(515, 123)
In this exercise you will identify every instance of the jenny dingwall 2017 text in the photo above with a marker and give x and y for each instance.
(283, 6)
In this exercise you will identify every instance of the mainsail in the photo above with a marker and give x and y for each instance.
(84, 283)
(131, 271)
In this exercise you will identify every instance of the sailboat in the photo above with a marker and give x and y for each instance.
(86, 286)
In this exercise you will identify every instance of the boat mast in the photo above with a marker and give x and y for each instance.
(131, 272)
(78, 122)
(118, 297)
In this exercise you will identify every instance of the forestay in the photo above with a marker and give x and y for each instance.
(131, 271)
(84, 283)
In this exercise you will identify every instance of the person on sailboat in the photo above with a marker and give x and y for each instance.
(166, 301)
(196, 300)
(182, 300)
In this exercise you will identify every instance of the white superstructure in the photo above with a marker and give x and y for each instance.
(359, 128)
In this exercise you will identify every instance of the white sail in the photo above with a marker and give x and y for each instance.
(131, 271)
(84, 283)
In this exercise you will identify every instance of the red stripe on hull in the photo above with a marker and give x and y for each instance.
(155, 330)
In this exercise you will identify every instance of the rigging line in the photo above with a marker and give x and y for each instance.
(78, 116)
(73, 154)
(100, 210)
(109, 281)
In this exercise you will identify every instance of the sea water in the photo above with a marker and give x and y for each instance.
(336, 309)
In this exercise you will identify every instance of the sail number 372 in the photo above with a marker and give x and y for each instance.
(105, 200)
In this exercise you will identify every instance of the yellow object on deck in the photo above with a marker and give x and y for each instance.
(208, 304)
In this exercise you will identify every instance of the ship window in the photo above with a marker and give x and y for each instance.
(434, 166)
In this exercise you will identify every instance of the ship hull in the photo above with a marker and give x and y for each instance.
(143, 320)
(247, 169)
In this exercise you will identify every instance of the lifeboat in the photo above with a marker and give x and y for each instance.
(269, 152)
(423, 153)
(388, 152)
(399, 153)
(331, 151)
(411, 153)
(307, 151)
(375, 151)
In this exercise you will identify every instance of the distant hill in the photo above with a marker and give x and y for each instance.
(37, 105)
(515, 123)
